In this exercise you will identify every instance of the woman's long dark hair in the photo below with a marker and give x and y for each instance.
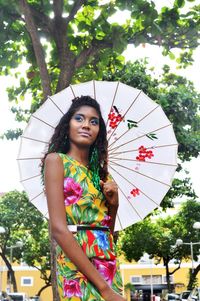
(60, 142)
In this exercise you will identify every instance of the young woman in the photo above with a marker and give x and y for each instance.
(82, 202)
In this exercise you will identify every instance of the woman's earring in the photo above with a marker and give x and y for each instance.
(94, 167)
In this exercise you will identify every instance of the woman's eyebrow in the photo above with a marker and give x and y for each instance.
(83, 115)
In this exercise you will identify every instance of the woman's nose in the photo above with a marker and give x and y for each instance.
(86, 123)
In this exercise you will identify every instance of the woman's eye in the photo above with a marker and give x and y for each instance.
(78, 118)
(95, 121)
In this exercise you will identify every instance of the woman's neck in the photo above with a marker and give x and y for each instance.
(80, 155)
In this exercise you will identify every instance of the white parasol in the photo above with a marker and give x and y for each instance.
(142, 146)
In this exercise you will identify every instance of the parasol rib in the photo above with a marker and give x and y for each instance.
(35, 197)
(59, 109)
(132, 128)
(141, 174)
(125, 113)
(133, 160)
(119, 221)
(72, 91)
(113, 149)
(129, 204)
(113, 100)
(39, 175)
(33, 139)
(43, 121)
(94, 89)
(135, 186)
(150, 147)
(30, 158)
(129, 201)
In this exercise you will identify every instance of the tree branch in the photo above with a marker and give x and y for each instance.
(58, 8)
(75, 8)
(42, 19)
(66, 57)
(176, 269)
(38, 50)
(192, 277)
(43, 288)
(95, 47)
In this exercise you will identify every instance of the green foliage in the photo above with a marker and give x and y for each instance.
(82, 43)
(153, 237)
(12, 134)
(188, 215)
(129, 286)
(181, 188)
(23, 222)
(179, 3)
(87, 29)
(157, 237)
(185, 59)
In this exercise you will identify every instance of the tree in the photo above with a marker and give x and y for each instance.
(23, 222)
(188, 215)
(154, 238)
(157, 237)
(66, 42)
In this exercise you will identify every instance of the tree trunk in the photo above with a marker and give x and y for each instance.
(12, 280)
(166, 263)
(37, 46)
(53, 269)
(11, 273)
(193, 277)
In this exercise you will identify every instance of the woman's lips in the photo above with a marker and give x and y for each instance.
(84, 134)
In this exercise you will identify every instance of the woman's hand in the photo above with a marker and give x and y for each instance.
(110, 295)
(110, 190)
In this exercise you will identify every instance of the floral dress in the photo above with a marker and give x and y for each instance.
(87, 206)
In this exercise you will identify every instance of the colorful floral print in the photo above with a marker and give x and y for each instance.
(72, 191)
(106, 221)
(84, 204)
(102, 239)
(71, 288)
(106, 268)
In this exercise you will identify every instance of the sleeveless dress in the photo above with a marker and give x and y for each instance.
(87, 206)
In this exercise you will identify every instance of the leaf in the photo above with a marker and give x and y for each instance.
(171, 55)
(179, 3)
(132, 124)
(151, 136)
(12, 134)
(116, 109)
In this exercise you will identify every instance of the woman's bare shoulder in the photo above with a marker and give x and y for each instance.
(53, 158)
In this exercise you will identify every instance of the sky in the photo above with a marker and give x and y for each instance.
(9, 175)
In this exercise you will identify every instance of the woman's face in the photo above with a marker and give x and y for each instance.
(84, 126)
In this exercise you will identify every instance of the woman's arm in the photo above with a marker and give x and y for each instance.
(54, 176)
